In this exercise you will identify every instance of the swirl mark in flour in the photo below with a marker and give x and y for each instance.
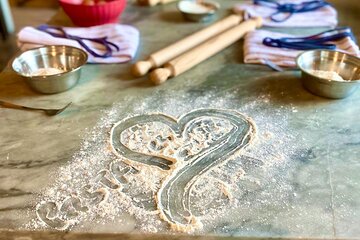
(211, 144)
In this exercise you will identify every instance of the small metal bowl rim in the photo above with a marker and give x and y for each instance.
(325, 80)
(50, 75)
(215, 4)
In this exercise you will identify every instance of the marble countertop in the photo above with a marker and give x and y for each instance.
(313, 192)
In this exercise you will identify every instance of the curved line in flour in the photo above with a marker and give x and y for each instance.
(48, 213)
(120, 149)
(174, 195)
(173, 198)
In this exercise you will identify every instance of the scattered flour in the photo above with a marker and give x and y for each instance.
(158, 139)
(99, 188)
(330, 75)
(46, 71)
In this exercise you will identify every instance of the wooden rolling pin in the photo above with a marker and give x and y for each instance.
(164, 55)
(153, 2)
(203, 51)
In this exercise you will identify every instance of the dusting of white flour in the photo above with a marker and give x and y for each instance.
(98, 188)
(46, 71)
(331, 75)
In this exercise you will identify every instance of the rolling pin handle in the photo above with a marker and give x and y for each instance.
(141, 68)
(160, 75)
(259, 22)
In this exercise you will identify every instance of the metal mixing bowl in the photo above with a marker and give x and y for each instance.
(184, 6)
(65, 58)
(347, 66)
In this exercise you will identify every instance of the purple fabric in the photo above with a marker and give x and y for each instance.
(125, 37)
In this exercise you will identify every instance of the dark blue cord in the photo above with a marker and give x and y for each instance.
(62, 34)
(317, 41)
(290, 8)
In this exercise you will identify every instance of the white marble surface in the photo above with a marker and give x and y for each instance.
(322, 198)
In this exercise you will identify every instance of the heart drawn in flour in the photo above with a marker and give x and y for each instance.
(187, 147)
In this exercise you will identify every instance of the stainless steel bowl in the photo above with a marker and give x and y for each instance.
(186, 8)
(65, 58)
(347, 66)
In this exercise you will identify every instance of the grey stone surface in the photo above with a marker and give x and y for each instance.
(324, 178)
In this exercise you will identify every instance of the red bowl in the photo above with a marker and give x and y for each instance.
(86, 15)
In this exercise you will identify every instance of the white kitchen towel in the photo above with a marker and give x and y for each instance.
(124, 36)
(256, 52)
(322, 17)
